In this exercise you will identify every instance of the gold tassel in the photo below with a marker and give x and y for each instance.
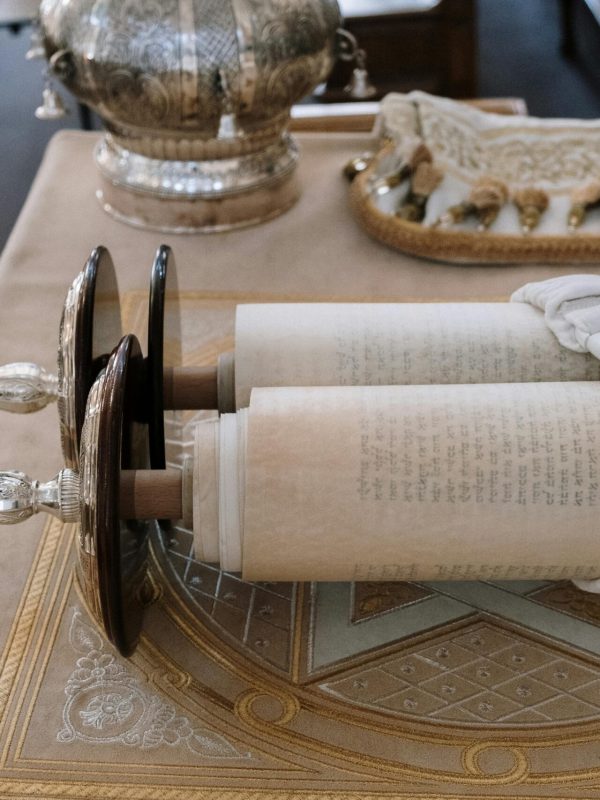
(582, 198)
(420, 155)
(426, 178)
(486, 198)
(488, 195)
(531, 203)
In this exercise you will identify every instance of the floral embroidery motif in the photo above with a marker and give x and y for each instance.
(106, 710)
(106, 704)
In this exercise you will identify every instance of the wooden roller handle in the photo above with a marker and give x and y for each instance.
(151, 494)
(188, 388)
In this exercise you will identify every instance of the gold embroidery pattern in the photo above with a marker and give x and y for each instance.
(472, 762)
(558, 160)
(373, 599)
(245, 707)
(483, 675)
(26, 614)
(555, 155)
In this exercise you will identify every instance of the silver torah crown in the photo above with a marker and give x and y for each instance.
(195, 97)
(21, 497)
(25, 388)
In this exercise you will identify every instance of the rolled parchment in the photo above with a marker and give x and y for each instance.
(496, 481)
(385, 344)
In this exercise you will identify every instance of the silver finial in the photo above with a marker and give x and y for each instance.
(25, 388)
(20, 497)
(52, 106)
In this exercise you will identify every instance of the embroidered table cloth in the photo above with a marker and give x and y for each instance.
(279, 690)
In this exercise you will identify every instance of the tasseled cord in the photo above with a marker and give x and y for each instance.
(582, 197)
(486, 198)
(425, 180)
(531, 204)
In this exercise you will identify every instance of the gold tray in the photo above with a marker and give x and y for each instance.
(446, 127)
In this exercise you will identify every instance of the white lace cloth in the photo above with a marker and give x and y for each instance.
(556, 155)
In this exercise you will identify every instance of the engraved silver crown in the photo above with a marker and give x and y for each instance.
(195, 94)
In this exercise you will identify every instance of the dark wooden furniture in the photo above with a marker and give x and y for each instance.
(423, 44)
(360, 117)
(581, 33)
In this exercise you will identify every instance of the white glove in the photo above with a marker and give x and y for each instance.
(571, 306)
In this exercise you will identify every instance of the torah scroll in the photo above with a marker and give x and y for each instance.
(358, 344)
(496, 481)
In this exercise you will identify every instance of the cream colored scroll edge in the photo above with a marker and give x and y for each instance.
(205, 499)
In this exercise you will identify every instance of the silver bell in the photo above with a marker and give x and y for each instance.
(52, 106)
(36, 46)
(360, 86)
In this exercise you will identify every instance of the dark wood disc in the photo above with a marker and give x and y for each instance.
(164, 346)
(90, 329)
(121, 546)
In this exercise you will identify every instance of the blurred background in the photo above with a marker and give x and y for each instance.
(543, 51)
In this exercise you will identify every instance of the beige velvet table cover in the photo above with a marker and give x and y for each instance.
(50, 647)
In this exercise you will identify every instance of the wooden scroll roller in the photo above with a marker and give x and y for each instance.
(301, 344)
(498, 481)
(90, 329)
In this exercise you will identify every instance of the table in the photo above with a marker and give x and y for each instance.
(349, 695)
(337, 260)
